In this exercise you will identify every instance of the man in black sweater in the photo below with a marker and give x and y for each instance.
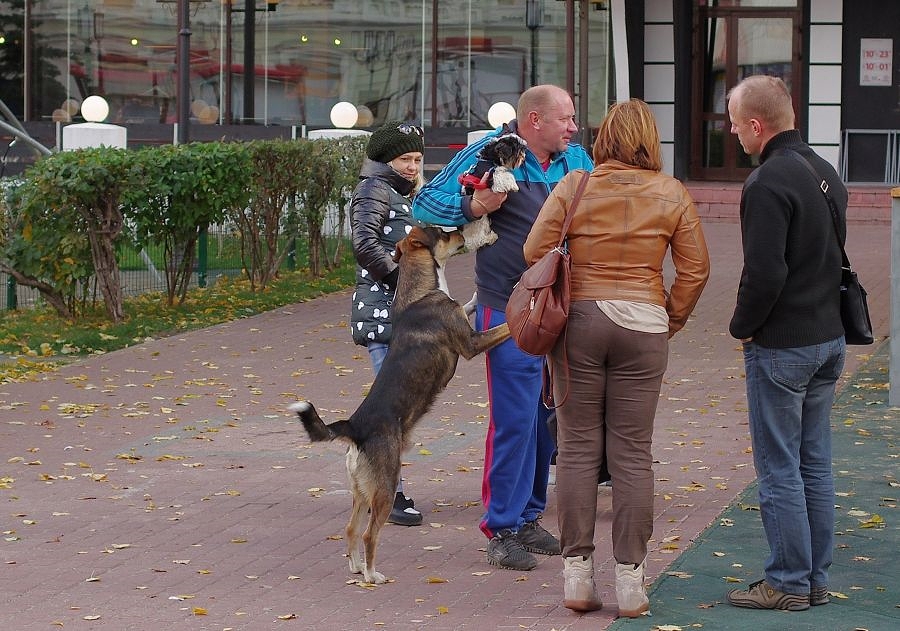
(788, 318)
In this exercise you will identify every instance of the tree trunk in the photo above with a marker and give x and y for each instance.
(314, 230)
(104, 225)
(106, 269)
(53, 297)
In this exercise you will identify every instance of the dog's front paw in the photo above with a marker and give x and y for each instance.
(469, 307)
(376, 578)
(504, 181)
(478, 234)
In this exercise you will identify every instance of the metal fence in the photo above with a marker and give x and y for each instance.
(143, 271)
(874, 143)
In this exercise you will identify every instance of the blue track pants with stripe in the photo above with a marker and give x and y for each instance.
(518, 447)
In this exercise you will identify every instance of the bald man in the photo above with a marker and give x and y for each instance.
(518, 447)
(788, 318)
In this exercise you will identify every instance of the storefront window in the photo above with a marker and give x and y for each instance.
(748, 3)
(391, 58)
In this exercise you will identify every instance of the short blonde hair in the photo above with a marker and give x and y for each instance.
(765, 98)
(629, 134)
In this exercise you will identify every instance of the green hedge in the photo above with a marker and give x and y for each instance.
(63, 221)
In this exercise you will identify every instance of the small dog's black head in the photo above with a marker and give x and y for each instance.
(507, 150)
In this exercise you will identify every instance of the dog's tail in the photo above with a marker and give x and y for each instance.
(314, 425)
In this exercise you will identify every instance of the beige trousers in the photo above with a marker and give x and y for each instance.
(613, 380)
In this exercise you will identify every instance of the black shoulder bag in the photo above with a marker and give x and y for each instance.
(854, 305)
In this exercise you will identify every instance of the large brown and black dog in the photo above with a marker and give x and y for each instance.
(430, 332)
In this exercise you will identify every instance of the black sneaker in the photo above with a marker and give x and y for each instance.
(404, 512)
(506, 551)
(536, 538)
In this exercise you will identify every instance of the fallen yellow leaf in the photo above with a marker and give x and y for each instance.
(876, 521)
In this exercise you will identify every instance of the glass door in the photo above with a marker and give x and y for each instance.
(730, 43)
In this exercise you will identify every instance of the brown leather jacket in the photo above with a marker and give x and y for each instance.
(622, 228)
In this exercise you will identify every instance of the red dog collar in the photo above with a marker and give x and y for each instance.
(472, 181)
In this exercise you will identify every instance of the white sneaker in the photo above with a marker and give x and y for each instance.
(630, 590)
(579, 590)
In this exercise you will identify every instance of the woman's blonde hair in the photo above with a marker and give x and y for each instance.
(628, 134)
(419, 183)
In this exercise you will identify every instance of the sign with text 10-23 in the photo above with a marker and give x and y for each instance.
(876, 59)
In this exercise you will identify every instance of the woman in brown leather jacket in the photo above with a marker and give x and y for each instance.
(609, 365)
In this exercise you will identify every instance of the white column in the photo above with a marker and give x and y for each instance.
(620, 49)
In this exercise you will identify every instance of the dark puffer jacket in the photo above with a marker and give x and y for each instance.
(380, 216)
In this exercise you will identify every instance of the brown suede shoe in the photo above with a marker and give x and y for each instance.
(761, 595)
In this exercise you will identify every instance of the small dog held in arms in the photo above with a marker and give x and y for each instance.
(430, 332)
(499, 156)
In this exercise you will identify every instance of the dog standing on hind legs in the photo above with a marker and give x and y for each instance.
(431, 331)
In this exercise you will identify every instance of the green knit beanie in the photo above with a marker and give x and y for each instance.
(393, 139)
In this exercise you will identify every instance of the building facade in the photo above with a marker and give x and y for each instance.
(276, 69)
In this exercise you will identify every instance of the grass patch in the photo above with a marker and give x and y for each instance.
(38, 337)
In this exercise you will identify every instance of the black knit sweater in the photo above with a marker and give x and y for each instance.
(789, 294)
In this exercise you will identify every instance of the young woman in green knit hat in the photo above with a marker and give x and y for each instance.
(380, 216)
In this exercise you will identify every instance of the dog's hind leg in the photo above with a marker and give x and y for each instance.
(357, 514)
(382, 501)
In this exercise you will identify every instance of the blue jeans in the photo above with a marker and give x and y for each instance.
(790, 392)
(377, 353)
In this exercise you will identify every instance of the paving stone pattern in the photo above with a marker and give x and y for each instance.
(165, 487)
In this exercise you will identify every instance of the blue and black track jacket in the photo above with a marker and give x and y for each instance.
(497, 266)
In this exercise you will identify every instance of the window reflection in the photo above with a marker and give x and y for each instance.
(392, 58)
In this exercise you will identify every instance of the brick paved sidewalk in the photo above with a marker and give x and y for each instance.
(164, 487)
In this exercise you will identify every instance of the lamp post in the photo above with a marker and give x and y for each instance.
(98, 37)
(94, 132)
(344, 115)
(183, 93)
(498, 114)
(534, 19)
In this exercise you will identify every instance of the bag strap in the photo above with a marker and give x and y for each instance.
(823, 186)
(571, 212)
(547, 380)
